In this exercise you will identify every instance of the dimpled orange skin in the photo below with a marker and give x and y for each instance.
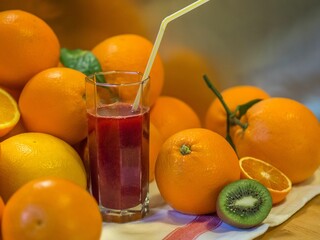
(53, 102)
(284, 133)
(27, 46)
(191, 183)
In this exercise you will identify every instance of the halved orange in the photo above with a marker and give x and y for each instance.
(9, 112)
(278, 184)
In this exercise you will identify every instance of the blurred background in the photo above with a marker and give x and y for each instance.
(273, 44)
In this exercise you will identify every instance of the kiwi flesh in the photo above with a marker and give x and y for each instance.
(244, 203)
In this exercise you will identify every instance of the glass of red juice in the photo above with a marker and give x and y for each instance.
(118, 144)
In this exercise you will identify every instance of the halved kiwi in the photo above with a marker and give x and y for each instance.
(244, 203)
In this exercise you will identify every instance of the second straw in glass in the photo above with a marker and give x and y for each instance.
(118, 142)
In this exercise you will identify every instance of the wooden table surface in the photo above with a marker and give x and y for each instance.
(303, 225)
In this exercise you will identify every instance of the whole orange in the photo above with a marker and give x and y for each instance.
(130, 52)
(53, 102)
(184, 68)
(51, 208)
(192, 167)
(31, 155)
(170, 115)
(284, 133)
(29, 46)
(216, 115)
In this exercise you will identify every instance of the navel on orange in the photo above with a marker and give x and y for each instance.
(9, 113)
(278, 184)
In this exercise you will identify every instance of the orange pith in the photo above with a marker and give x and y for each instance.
(277, 182)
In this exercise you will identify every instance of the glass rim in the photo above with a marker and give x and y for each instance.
(90, 78)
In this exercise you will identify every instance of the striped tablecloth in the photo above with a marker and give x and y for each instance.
(163, 222)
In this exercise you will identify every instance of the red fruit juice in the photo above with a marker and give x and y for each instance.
(119, 159)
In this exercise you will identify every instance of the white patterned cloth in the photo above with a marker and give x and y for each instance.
(165, 223)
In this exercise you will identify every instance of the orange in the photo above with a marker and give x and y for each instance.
(53, 102)
(170, 115)
(215, 119)
(184, 68)
(130, 52)
(9, 112)
(192, 167)
(155, 143)
(27, 156)
(284, 133)
(278, 184)
(51, 208)
(29, 47)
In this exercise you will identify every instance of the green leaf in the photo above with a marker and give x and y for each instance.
(81, 60)
(243, 108)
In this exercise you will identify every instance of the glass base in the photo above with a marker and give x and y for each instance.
(125, 215)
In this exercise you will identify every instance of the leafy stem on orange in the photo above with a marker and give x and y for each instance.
(233, 118)
(82, 60)
(240, 111)
(184, 149)
(226, 108)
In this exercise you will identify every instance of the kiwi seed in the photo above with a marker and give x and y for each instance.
(244, 203)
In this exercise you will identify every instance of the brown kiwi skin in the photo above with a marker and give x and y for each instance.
(231, 222)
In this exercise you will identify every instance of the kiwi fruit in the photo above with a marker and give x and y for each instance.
(244, 203)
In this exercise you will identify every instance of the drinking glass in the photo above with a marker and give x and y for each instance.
(118, 144)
